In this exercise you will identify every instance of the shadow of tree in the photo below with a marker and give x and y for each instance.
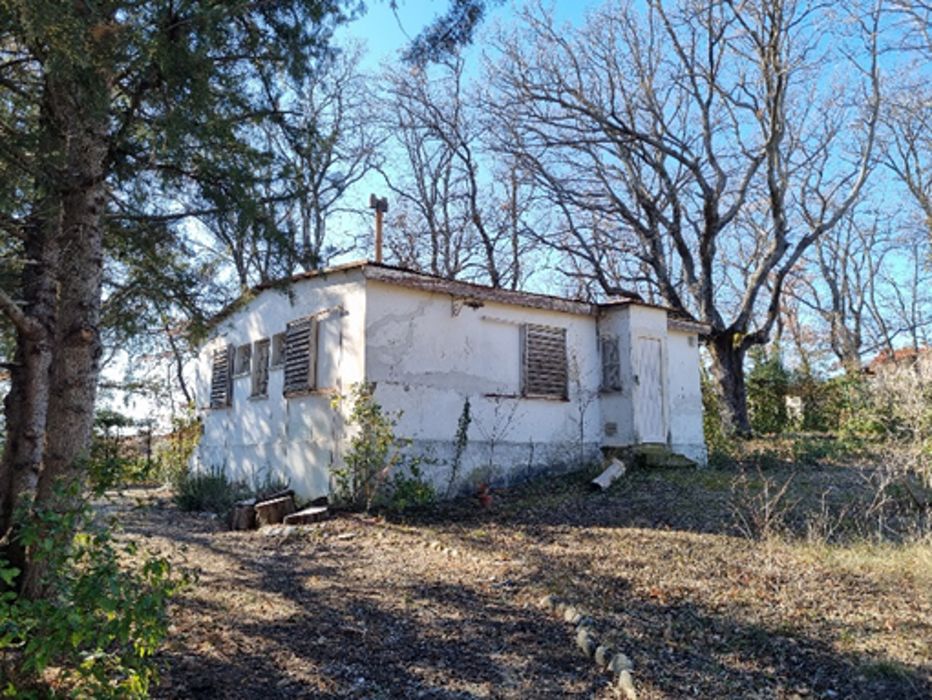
(427, 632)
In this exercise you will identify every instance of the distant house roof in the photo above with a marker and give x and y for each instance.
(901, 356)
(468, 292)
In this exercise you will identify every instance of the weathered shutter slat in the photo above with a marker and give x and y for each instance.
(301, 355)
(543, 361)
(221, 379)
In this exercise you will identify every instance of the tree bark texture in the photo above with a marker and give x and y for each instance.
(50, 408)
(728, 369)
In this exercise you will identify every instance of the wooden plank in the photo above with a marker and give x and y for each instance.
(307, 516)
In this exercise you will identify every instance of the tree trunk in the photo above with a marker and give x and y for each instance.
(26, 404)
(77, 338)
(66, 386)
(728, 369)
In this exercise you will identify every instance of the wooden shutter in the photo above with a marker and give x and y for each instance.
(300, 355)
(260, 368)
(611, 364)
(221, 378)
(544, 361)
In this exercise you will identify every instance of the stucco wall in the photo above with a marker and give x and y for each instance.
(428, 353)
(686, 432)
(296, 438)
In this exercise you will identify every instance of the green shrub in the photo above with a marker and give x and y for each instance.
(767, 385)
(108, 464)
(210, 491)
(373, 452)
(95, 633)
(408, 490)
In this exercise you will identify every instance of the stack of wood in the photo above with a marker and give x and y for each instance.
(271, 509)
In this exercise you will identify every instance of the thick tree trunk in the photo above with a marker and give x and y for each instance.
(26, 404)
(728, 369)
(73, 386)
(59, 374)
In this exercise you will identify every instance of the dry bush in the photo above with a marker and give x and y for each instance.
(760, 505)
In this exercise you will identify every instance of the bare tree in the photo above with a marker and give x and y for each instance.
(320, 143)
(458, 213)
(328, 148)
(908, 151)
(916, 23)
(692, 151)
(837, 281)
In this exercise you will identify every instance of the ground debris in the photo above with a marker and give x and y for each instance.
(307, 612)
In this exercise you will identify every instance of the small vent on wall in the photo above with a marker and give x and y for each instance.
(692, 341)
(611, 429)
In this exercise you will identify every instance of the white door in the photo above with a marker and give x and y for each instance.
(648, 390)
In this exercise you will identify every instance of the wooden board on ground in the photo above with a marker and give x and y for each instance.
(307, 516)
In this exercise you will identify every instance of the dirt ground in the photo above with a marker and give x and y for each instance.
(447, 605)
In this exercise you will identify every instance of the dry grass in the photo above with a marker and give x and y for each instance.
(445, 606)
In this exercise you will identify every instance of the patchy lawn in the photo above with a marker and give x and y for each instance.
(446, 606)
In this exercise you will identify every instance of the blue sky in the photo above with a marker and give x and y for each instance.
(387, 32)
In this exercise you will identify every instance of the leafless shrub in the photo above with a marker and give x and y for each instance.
(900, 505)
(828, 522)
(760, 505)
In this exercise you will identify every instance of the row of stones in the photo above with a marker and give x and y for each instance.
(603, 654)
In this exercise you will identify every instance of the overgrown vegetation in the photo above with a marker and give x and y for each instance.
(376, 470)
(460, 440)
(767, 385)
(123, 452)
(93, 635)
(211, 491)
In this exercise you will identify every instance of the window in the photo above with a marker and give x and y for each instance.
(278, 350)
(611, 363)
(543, 355)
(243, 357)
(260, 368)
(300, 355)
(221, 386)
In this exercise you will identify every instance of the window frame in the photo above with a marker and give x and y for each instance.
(277, 353)
(610, 361)
(260, 370)
(242, 356)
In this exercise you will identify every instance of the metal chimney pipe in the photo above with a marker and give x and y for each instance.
(381, 206)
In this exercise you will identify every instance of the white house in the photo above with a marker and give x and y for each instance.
(550, 381)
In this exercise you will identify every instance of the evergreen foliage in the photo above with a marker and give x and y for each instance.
(767, 385)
